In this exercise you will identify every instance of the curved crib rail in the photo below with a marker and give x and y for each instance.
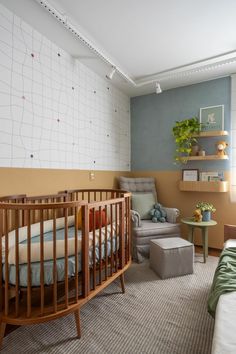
(101, 254)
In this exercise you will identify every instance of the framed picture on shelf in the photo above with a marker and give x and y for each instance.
(212, 118)
(212, 176)
(190, 175)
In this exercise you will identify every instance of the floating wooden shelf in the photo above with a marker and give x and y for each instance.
(212, 133)
(207, 157)
(202, 186)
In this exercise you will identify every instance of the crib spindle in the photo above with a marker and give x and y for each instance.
(85, 252)
(1, 235)
(100, 244)
(111, 240)
(106, 260)
(6, 264)
(126, 232)
(29, 263)
(76, 256)
(94, 250)
(66, 257)
(129, 230)
(116, 238)
(54, 262)
(121, 233)
(41, 263)
(17, 262)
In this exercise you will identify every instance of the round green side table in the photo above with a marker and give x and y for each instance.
(203, 225)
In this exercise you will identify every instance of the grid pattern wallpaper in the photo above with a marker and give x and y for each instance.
(54, 111)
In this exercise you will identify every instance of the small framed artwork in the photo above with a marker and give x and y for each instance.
(190, 175)
(212, 118)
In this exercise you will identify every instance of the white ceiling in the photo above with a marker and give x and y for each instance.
(164, 40)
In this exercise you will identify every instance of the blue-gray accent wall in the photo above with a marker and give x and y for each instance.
(153, 116)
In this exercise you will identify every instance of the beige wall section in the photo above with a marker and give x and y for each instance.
(32, 181)
(48, 181)
(169, 195)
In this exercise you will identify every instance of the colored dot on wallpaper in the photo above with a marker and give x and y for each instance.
(108, 135)
(58, 120)
(23, 97)
(32, 55)
(72, 87)
(31, 156)
(115, 110)
(94, 161)
(94, 92)
(108, 88)
(58, 54)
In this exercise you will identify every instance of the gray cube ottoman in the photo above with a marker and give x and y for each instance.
(171, 257)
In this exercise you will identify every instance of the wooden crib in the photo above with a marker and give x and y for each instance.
(50, 265)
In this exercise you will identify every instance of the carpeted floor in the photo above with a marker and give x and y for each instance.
(153, 316)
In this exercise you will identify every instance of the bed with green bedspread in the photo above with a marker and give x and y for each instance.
(224, 280)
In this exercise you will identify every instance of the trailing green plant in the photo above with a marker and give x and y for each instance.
(183, 132)
(204, 206)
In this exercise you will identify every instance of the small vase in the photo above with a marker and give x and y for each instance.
(201, 153)
(206, 215)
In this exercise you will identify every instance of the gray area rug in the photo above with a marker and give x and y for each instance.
(153, 316)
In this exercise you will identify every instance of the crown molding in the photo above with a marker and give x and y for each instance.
(180, 72)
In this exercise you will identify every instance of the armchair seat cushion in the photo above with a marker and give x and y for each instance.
(149, 228)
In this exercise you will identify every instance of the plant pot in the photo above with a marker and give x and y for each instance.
(206, 215)
(194, 150)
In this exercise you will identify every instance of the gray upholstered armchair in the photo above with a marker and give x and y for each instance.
(143, 229)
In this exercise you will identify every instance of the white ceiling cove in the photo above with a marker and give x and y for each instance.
(173, 42)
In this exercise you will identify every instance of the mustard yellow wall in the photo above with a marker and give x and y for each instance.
(48, 181)
(169, 195)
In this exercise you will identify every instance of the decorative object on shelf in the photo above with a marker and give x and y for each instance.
(190, 175)
(211, 176)
(212, 118)
(194, 149)
(201, 152)
(206, 210)
(221, 146)
(184, 132)
(197, 215)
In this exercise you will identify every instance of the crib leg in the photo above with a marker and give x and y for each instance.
(122, 282)
(2, 332)
(77, 321)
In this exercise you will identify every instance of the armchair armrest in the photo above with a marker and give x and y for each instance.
(172, 214)
(135, 217)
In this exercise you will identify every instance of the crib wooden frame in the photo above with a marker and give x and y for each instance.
(31, 305)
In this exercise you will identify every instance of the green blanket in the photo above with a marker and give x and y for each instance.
(224, 279)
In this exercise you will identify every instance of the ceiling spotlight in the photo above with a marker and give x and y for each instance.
(110, 75)
(158, 88)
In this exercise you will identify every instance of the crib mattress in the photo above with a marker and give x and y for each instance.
(60, 263)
